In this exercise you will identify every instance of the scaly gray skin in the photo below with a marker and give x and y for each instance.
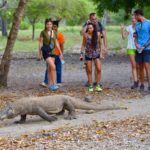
(48, 105)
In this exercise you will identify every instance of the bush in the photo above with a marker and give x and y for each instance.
(70, 28)
(39, 25)
(24, 25)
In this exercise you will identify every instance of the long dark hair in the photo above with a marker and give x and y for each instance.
(46, 21)
(94, 36)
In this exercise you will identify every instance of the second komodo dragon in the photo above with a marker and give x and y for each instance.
(47, 105)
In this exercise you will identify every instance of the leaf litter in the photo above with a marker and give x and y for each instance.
(131, 133)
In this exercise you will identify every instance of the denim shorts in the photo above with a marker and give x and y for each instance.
(143, 57)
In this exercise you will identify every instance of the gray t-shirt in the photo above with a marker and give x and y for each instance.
(99, 26)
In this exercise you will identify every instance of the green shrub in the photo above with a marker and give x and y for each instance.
(24, 25)
(39, 25)
(70, 28)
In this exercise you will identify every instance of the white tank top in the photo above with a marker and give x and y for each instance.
(131, 44)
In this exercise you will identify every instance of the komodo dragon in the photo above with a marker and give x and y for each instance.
(48, 105)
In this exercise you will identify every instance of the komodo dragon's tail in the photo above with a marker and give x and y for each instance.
(78, 104)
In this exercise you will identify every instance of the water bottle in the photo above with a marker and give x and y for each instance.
(140, 49)
(62, 62)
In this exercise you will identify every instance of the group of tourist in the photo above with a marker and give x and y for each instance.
(94, 48)
(138, 48)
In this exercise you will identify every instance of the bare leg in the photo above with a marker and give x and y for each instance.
(89, 71)
(95, 73)
(86, 68)
(97, 70)
(147, 68)
(52, 70)
(50, 80)
(140, 70)
(134, 69)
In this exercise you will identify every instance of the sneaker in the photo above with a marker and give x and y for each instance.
(90, 89)
(59, 84)
(55, 86)
(43, 84)
(98, 88)
(52, 87)
(135, 85)
(95, 83)
(142, 87)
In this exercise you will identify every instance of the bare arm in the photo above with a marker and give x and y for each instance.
(58, 47)
(83, 31)
(39, 48)
(62, 48)
(135, 40)
(83, 45)
(124, 33)
(100, 44)
(100, 41)
(146, 44)
(104, 39)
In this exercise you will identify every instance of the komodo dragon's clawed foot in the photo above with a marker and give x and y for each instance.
(70, 117)
(52, 118)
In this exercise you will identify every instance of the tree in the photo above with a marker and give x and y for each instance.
(73, 11)
(6, 10)
(7, 56)
(3, 4)
(115, 5)
(35, 11)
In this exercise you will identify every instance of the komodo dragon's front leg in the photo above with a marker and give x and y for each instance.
(22, 119)
(39, 111)
(71, 110)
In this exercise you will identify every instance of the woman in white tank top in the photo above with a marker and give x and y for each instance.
(128, 32)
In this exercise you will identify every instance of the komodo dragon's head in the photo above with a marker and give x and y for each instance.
(7, 112)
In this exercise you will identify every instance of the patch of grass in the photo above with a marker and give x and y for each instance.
(72, 38)
(115, 41)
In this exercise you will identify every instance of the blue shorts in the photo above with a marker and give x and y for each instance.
(143, 57)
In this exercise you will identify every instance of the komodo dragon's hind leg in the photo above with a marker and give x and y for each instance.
(22, 119)
(71, 110)
(39, 111)
(61, 113)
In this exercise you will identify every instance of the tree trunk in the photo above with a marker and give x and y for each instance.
(6, 59)
(33, 30)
